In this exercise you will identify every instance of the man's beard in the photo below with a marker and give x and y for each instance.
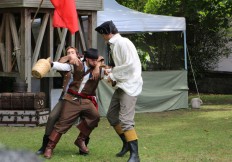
(91, 66)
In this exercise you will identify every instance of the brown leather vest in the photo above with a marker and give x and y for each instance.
(67, 75)
(90, 86)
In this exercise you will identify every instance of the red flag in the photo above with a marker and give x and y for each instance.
(65, 15)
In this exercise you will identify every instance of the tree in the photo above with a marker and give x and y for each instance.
(137, 5)
(157, 51)
(208, 24)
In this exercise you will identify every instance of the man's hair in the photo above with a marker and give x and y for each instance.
(70, 47)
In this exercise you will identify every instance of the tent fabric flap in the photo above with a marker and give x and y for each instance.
(130, 21)
(162, 90)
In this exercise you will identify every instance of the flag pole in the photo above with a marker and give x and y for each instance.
(41, 2)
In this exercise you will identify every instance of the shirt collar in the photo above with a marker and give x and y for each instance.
(85, 66)
(114, 38)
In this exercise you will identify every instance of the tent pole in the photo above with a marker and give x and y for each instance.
(185, 51)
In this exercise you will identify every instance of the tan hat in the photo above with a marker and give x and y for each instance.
(41, 68)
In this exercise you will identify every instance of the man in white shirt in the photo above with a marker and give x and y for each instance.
(126, 74)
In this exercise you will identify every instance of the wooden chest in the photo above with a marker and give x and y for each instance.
(22, 101)
(23, 118)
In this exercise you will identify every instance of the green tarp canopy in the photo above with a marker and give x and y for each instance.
(162, 90)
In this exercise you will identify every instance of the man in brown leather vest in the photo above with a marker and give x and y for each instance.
(55, 113)
(79, 99)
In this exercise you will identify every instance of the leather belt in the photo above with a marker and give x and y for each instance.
(83, 96)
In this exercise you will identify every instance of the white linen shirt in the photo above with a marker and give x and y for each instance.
(128, 69)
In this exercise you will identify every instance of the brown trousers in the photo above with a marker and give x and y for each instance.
(53, 117)
(71, 110)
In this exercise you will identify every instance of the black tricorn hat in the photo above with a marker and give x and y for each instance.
(91, 53)
(106, 28)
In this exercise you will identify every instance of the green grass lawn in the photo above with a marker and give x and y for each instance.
(184, 135)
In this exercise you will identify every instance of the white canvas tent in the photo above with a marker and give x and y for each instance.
(162, 90)
(128, 20)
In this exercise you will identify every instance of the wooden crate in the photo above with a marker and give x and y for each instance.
(23, 118)
(22, 101)
(5, 101)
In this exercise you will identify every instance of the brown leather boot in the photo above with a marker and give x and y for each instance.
(80, 142)
(53, 140)
(86, 143)
(83, 137)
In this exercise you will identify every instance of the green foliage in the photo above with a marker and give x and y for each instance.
(137, 5)
(207, 24)
(160, 51)
(208, 32)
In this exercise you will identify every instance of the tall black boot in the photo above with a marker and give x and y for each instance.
(134, 154)
(125, 147)
(44, 145)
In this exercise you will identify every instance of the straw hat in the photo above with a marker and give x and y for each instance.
(41, 68)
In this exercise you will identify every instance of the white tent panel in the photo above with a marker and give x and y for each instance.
(128, 20)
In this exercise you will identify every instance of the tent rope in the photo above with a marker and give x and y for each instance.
(193, 72)
(41, 2)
